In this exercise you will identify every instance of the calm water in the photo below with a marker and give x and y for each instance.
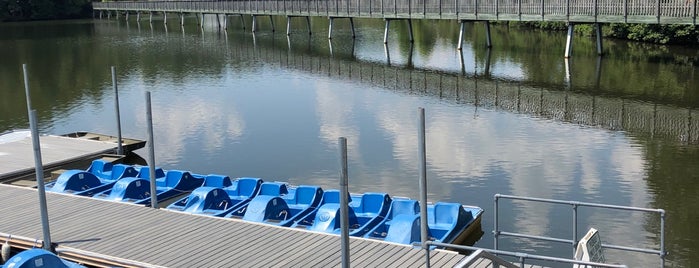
(517, 119)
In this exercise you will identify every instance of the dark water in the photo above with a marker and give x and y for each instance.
(516, 119)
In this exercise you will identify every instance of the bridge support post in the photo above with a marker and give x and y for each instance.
(385, 32)
(271, 22)
(254, 23)
(330, 29)
(461, 35)
(488, 41)
(308, 25)
(410, 30)
(569, 40)
(598, 33)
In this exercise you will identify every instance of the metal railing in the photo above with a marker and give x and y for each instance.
(574, 205)
(484, 253)
(608, 11)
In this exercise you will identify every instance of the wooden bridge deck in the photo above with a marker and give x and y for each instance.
(577, 11)
(150, 237)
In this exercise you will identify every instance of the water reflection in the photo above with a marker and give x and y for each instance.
(224, 104)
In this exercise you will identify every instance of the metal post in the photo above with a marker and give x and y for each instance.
(201, 20)
(254, 24)
(181, 19)
(288, 25)
(164, 17)
(330, 28)
(138, 16)
(150, 17)
(385, 32)
(120, 149)
(271, 22)
(575, 227)
(461, 36)
(488, 41)
(569, 40)
(496, 232)
(38, 166)
(422, 159)
(344, 203)
(151, 153)
(225, 22)
(308, 24)
(410, 30)
(598, 29)
(662, 238)
(127, 15)
(242, 21)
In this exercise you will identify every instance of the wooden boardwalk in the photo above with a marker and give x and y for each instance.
(17, 158)
(120, 231)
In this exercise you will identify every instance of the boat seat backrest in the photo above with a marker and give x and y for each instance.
(173, 177)
(248, 186)
(373, 202)
(214, 180)
(444, 213)
(144, 172)
(404, 207)
(306, 195)
(119, 171)
(99, 166)
(331, 196)
(273, 188)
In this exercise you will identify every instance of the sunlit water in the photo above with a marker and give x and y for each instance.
(516, 120)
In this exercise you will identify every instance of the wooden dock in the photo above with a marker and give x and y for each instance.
(114, 232)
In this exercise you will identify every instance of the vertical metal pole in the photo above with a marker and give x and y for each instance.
(461, 36)
(201, 20)
(150, 17)
(288, 25)
(569, 40)
(488, 41)
(138, 16)
(120, 149)
(496, 231)
(127, 15)
(410, 30)
(181, 19)
(598, 32)
(575, 227)
(662, 238)
(385, 32)
(330, 29)
(38, 166)
(254, 25)
(271, 22)
(308, 24)
(344, 203)
(422, 159)
(151, 153)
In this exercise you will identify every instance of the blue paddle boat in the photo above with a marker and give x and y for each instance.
(365, 212)
(219, 196)
(284, 210)
(447, 222)
(38, 258)
(137, 190)
(266, 189)
(100, 176)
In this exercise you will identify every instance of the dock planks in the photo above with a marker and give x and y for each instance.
(173, 239)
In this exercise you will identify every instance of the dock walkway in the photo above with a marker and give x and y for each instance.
(137, 234)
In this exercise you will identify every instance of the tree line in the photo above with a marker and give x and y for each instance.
(19, 10)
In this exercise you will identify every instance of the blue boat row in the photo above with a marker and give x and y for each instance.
(371, 215)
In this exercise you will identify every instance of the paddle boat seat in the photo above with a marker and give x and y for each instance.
(108, 171)
(215, 180)
(129, 189)
(325, 209)
(175, 182)
(370, 211)
(266, 189)
(284, 210)
(100, 176)
(398, 207)
(218, 201)
(446, 221)
(144, 172)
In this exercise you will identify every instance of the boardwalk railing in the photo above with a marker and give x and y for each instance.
(574, 205)
(606, 11)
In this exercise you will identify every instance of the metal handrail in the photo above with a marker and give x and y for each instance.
(575, 204)
(523, 257)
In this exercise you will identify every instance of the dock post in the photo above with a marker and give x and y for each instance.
(569, 40)
(151, 153)
(488, 41)
(308, 25)
(201, 20)
(120, 149)
(461, 35)
(352, 26)
(127, 15)
(39, 167)
(254, 24)
(150, 17)
(344, 204)
(181, 19)
(598, 33)
(138, 16)
(410, 30)
(330, 28)
(164, 17)
(288, 25)
(385, 32)
(422, 159)
(225, 21)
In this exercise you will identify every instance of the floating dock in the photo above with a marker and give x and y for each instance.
(103, 232)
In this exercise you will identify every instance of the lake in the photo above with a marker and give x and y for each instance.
(515, 119)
